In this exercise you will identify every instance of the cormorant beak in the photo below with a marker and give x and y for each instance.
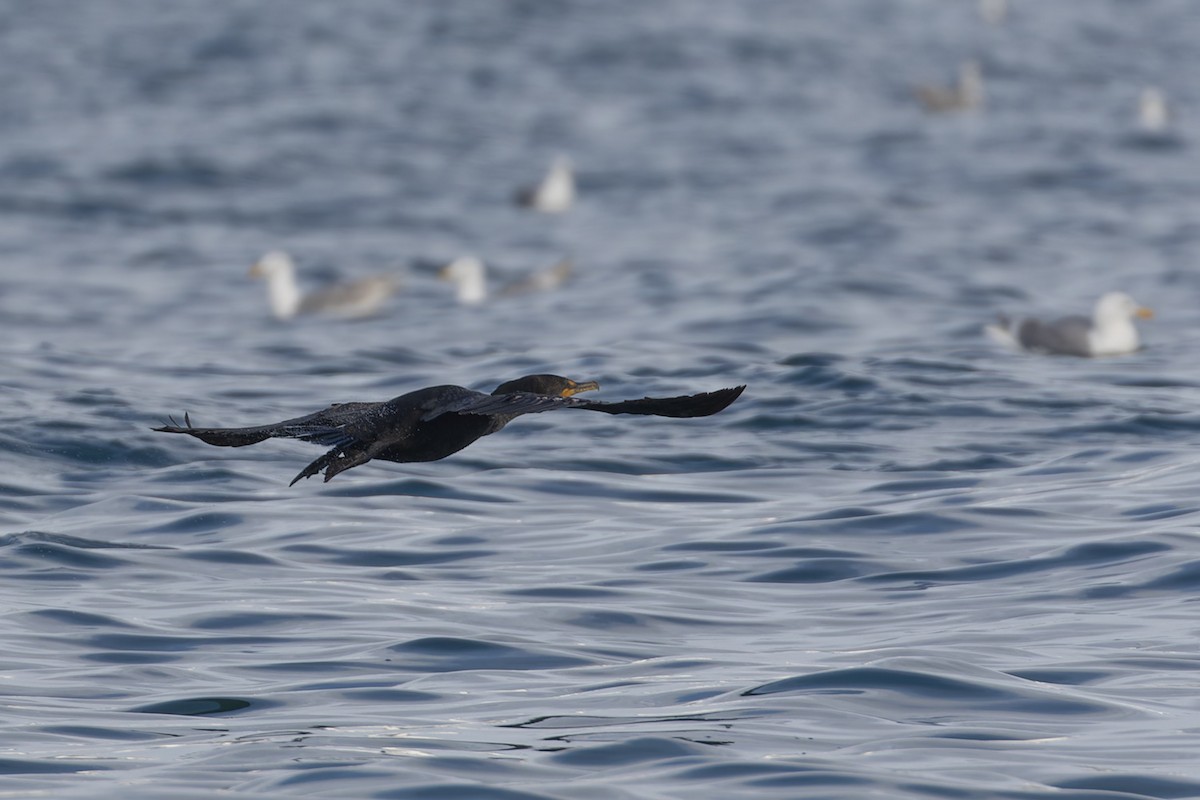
(576, 388)
(1144, 313)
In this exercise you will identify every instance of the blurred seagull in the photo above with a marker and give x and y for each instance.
(967, 94)
(554, 194)
(993, 11)
(1110, 331)
(542, 280)
(469, 275)
(359, 298)
(1153, 113)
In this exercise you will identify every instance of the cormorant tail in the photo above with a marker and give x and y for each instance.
(222, 437)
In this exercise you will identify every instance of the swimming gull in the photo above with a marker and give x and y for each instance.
(1153, 113)
(993, 11)
(358, 298)
(554, 194)
(1109, 332)
(966, 94)
(469, 275)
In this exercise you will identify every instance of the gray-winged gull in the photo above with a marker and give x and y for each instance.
(1153, 113)
(469, 275)
(966, 94)
(1110, 331)
(993, 11)
(554, 194)
(358, 298)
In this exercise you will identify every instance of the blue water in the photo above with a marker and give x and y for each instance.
(906, 564)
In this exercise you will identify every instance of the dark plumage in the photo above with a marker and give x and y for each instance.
(430, 424)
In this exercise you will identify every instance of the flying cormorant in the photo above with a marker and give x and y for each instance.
(430, 424)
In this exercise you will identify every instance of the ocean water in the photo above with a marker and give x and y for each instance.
(906, 563)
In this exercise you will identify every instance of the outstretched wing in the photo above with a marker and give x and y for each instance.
(687, 405)
(517, 403)
(498, 405)
(326, 427)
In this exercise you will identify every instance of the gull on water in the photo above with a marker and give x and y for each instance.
(358, 298)
(993, 11)
(1153, 113)
(554, 194)
(1109, 332)
(469, 275)
(966, 94)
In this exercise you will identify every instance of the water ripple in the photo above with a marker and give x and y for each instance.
(926, 691)
(449, 654)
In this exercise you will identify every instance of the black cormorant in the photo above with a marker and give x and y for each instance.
(430, 424)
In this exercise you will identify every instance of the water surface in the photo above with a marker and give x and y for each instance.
(905, 564)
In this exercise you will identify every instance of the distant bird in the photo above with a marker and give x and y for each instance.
(1110, 331)
(359, 298)
(469, 275)
(966, 95)
(542, 280)
(554, 194)
(993, 11)
(1153, 113)
(430, 424)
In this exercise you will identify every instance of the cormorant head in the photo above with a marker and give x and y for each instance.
(553, 385)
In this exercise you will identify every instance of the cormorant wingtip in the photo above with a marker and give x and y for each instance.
(726, 397)
(307, 472)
